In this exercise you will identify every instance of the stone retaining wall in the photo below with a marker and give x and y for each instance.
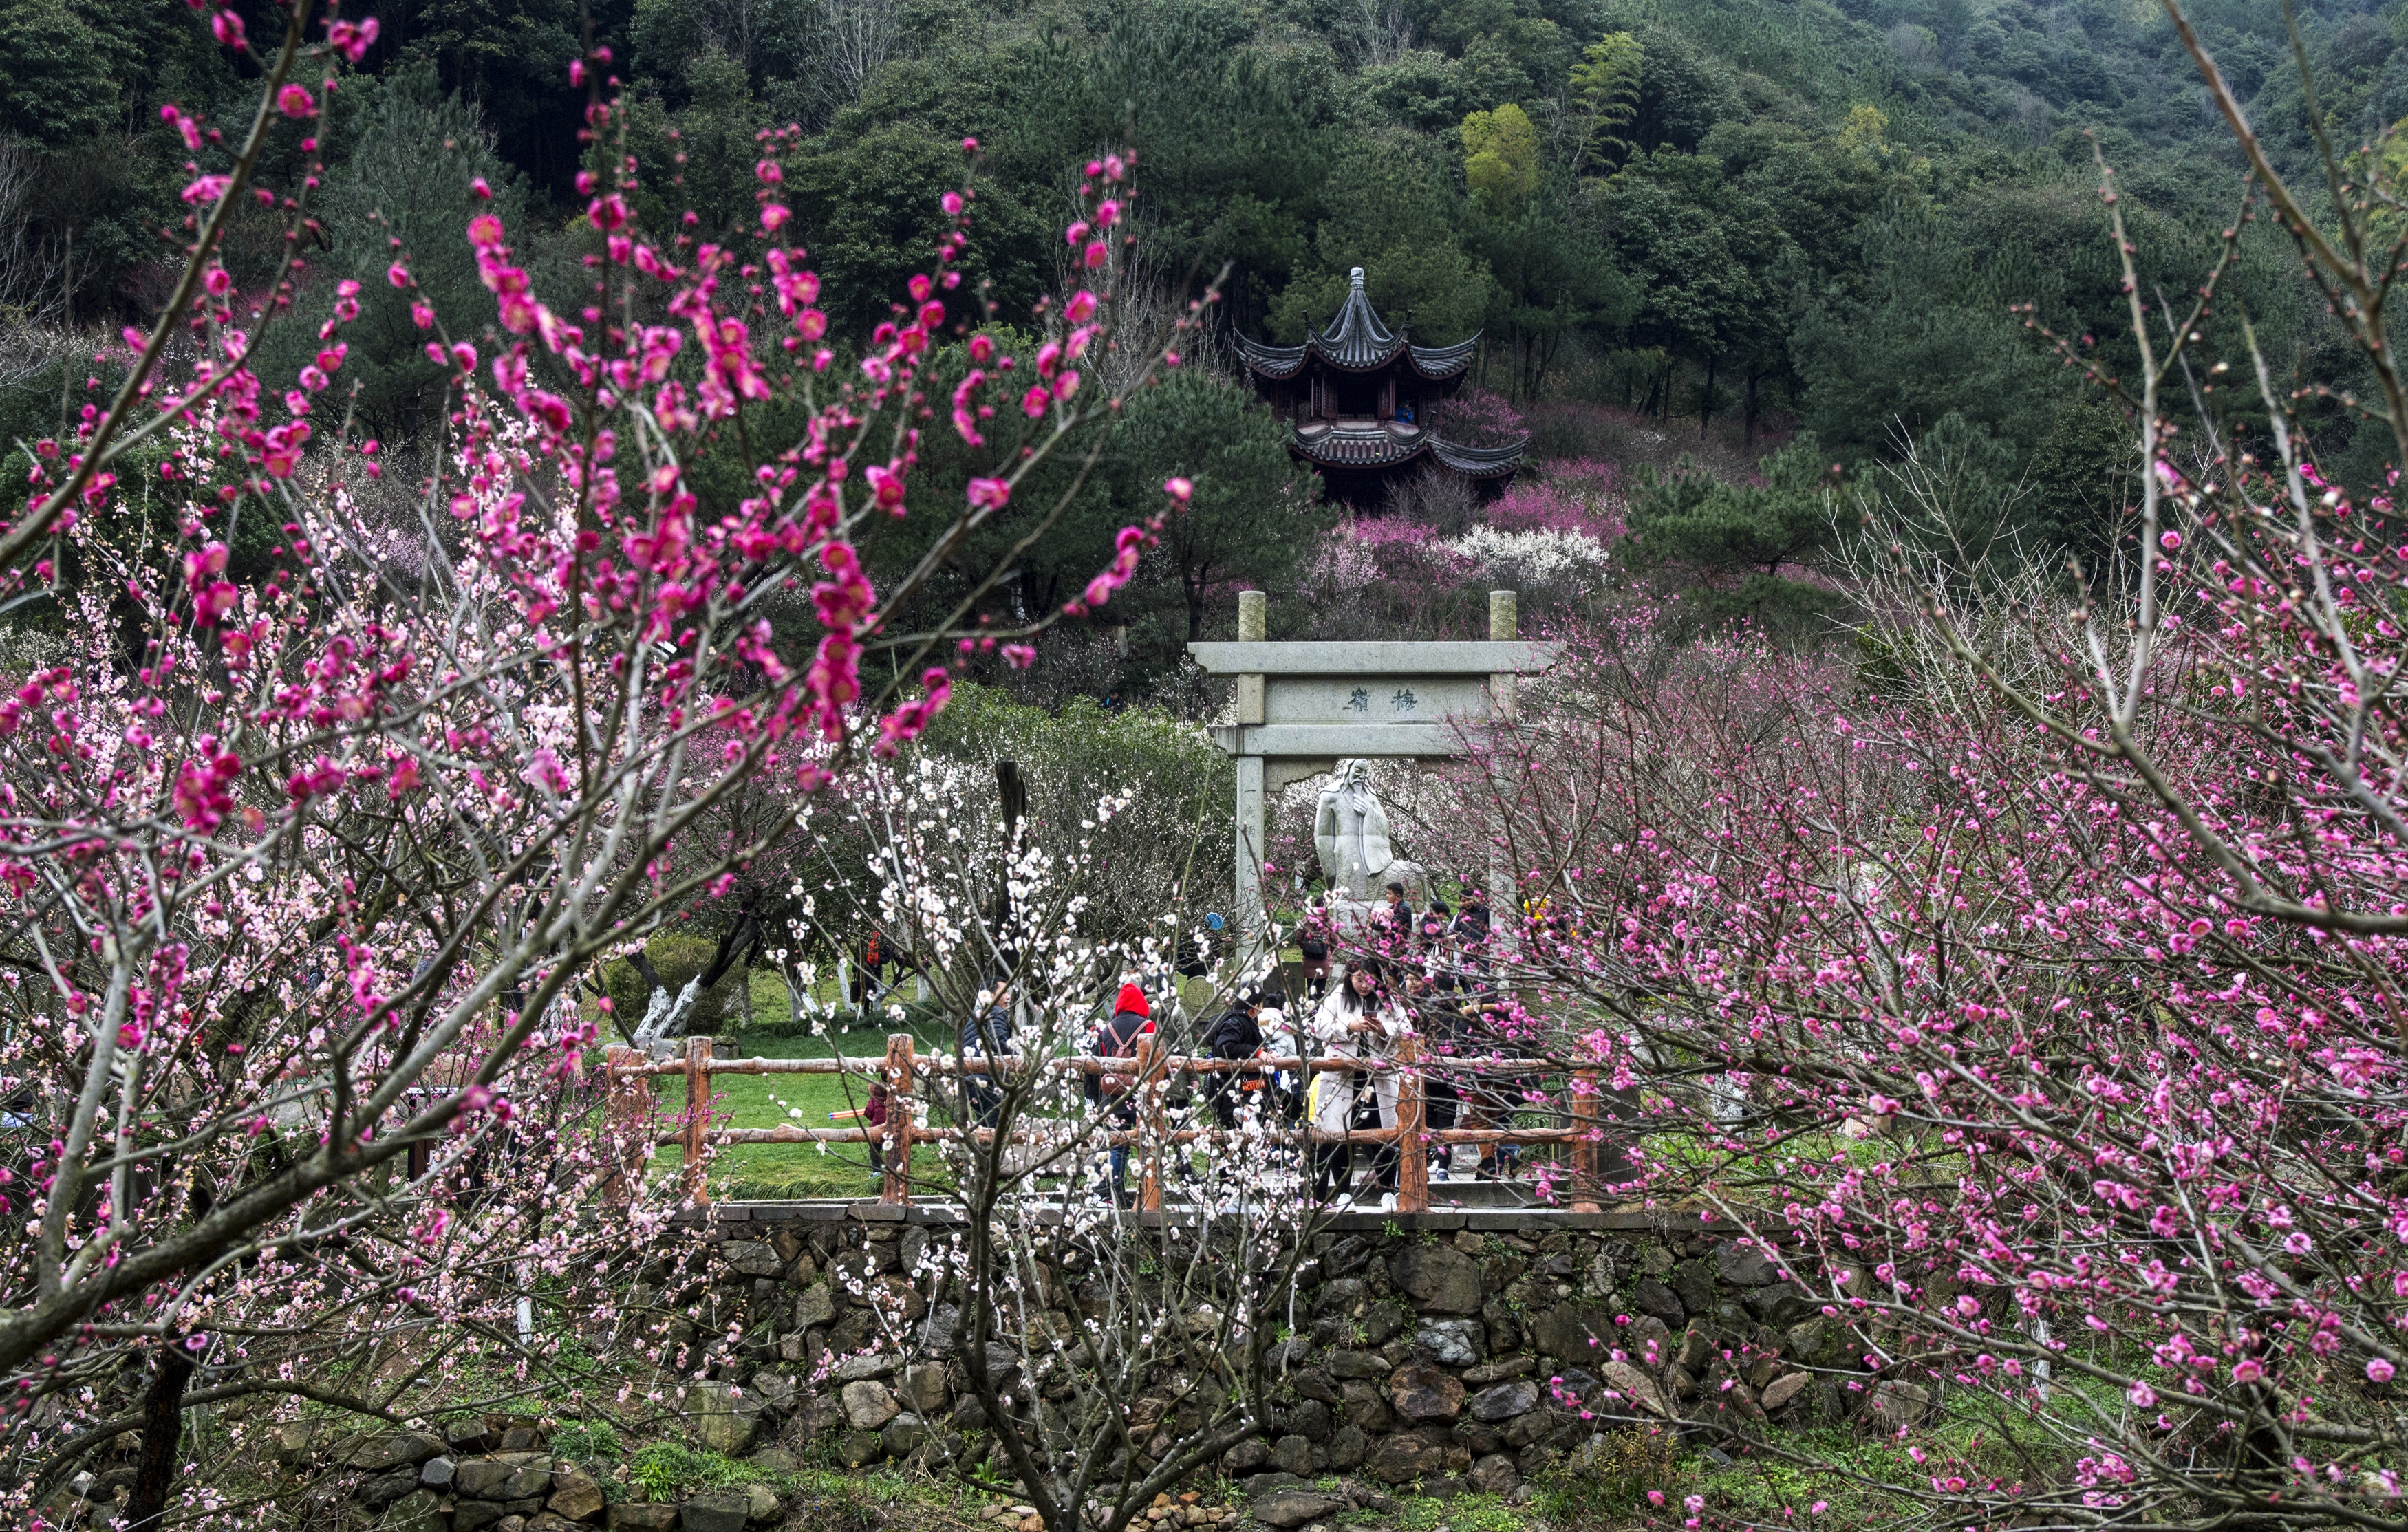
(1445, 1353)
(1454, 1350)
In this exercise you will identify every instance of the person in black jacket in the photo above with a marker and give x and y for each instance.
(986, 1032)
(1238, 1034)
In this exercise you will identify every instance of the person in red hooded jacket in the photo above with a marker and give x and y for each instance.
(1132, 1018)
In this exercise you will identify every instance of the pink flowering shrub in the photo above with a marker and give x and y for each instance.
(1476, 416)
(306, 875)
(2028, 988)
(1575, 497)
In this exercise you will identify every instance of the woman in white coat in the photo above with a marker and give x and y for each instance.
(1360, 1019)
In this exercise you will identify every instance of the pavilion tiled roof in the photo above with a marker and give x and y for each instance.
(1357, 342)
(1389, 444)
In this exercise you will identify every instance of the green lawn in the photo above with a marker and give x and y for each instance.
(793, 1170)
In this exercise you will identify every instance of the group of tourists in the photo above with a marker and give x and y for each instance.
(1399, 973)
(1410, 974)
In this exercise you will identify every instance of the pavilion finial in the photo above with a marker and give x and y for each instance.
(1357, 275)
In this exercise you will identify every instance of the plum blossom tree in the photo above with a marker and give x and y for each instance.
(2033, 994)
(298, 874)
(1181, 1283)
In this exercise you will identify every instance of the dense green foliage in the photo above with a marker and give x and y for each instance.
(1790, 214)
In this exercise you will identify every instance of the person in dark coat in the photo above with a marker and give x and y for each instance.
(1237, 1034)
(987, 1034)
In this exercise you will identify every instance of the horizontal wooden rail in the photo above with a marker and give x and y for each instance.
(630, 1097)
(1301, 1133)
(1083, 1063)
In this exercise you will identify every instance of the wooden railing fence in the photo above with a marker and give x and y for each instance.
(630, 1074)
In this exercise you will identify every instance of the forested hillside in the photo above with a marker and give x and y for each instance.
(1752, 217)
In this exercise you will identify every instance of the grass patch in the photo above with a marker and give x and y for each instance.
(1626, 1467)
(760, 1101)
(668, 1469)
(1464, 1513)
(585, 1441)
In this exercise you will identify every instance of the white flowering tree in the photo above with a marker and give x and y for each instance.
(1112, 1320)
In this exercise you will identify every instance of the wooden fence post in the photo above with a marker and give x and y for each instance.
(627, 1117)
(1413, 1121)
(698, 1116)
(894, 1186)
(1149, 1129)
(1585, 1149)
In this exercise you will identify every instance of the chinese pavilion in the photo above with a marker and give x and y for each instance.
(1359, 396)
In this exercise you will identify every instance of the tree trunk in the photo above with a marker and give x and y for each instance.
(1753, 410)
(163, 1432)
(1706, 400)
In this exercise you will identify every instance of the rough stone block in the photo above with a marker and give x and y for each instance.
(1635, 1387)
(436, 1473)
(1289, 1508)
(716, 1511)
(1451, 1342)
(1439, 1279)
(377, 1494)
(1532, 1429)
(854, 1369)
(722, 1417)
(491, 1478)
(1421, 1391)
(1246, 1457)
(1898, 1404)
(1494, 1475)
(1651, 1296)
(752, 1258)
(762, 1506)
(1348, 1448)
(573, 1497)
(1358, 1364)
(417, 1511)
(1503, 1370)
(1783, 1303)
(1309, 1419)
(1649, 1340)
(924, 1388)
(388, 1450)
(869, 1405)
(1696, 1346)
(1382, 1323)
(1340, 1298)
(904, 1435)
(1402, 1459)
(1693, 1283)
(815, 1306)
(1365, 1404)
(1505, 1402)
(1778, 1392)
(1504, 1326)
(1574, 1332)
(856, 1448)
(896, 1298)
(819, 1415)
(1293, 1454)
(633, 1516)
(474, 1515)
(1743, 1266)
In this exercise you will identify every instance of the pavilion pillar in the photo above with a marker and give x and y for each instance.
(1254, 620)
(1504, 705)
